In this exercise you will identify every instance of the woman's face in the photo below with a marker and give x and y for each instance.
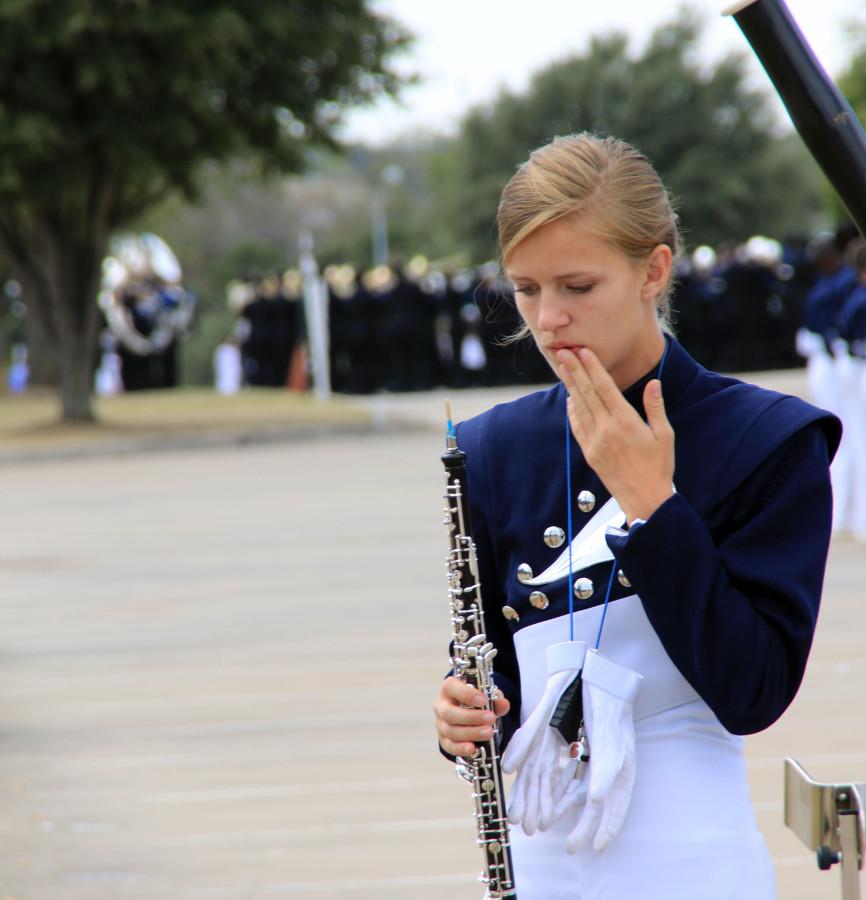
(574, 289)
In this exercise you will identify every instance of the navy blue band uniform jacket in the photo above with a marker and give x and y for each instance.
(714, 598)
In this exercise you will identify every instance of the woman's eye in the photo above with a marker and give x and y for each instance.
(580, 288)
(527, 289)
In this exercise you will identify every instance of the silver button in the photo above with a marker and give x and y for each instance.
(586, 501)
(622, 579)
(510, 613)
(554, 536)
(583, 588)
(524, 572)
(539, 600)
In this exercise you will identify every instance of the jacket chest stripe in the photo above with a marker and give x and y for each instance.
(588, 547)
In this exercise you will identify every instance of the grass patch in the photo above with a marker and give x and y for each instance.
(34, 418)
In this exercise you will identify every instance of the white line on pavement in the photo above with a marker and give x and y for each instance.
(338, 887)
(291, 790)
(235, 838)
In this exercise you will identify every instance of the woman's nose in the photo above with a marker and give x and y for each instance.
(552, 311)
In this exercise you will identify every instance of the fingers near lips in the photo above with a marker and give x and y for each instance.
(604, 387)
(579, 385)
(567, 361)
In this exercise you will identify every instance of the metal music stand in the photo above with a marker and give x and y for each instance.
(828, 818)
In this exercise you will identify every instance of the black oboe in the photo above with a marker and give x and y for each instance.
(472, 660)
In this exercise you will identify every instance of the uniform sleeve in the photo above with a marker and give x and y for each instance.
(472, 439)
(735, 603)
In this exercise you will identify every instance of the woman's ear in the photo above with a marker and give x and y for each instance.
(658, 272)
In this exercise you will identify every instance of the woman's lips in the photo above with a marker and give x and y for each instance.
(572, 348)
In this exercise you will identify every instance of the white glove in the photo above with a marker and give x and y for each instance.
(807, 342)
(840, 349)
(538, 752)
(609, 690)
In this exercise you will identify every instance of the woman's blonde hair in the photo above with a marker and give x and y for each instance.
(609, 181)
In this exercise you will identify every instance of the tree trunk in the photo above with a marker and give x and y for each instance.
(56, 249)
(76, 378)
(41, 358)
(78, 336)
(61, 282)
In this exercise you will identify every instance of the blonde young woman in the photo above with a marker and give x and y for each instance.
(657, 528)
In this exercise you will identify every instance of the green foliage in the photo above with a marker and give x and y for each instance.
(852, 83)
(710, 136)
(249, 259)
(142, 91)
(108, 108)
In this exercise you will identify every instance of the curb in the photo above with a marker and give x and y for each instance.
(216, 439)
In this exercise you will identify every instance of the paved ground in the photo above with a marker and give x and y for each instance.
(217, 667)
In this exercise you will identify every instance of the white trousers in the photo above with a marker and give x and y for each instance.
(828, 382)
(855, 423)
(690, 831)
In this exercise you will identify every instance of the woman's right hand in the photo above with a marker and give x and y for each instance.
(462, 717)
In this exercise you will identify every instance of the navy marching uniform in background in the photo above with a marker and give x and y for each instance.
(715, 604)
(825, 300)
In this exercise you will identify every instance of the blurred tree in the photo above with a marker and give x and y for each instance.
(852, 83)
(714, 140)
(107, 109)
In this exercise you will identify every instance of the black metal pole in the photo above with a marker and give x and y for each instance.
(824, 118)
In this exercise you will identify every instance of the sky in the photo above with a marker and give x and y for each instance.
(466, 51)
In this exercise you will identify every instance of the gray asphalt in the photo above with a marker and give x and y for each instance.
(217, 668)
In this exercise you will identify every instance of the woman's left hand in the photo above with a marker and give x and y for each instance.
(634, 459)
